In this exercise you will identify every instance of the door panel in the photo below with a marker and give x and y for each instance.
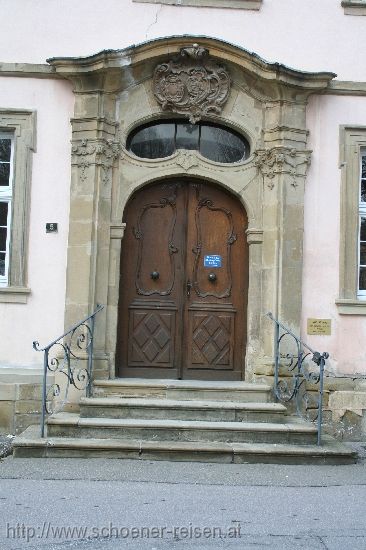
(214, 228)
(156, 219)
(151, 284)
(212, 339)
(151, 336)
(183, 289)
(217, 262)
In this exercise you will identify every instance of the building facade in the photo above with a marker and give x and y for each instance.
(145, 154)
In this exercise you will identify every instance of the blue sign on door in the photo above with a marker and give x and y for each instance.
(212, 261)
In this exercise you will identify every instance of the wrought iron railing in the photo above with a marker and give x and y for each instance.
(69, 356)
(301, 379)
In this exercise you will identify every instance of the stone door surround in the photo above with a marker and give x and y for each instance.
(266, 103)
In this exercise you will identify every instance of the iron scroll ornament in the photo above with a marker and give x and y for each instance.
(172, 249)
(71, 355)
(192, 84)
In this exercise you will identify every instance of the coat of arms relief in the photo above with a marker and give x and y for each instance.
(192, 84)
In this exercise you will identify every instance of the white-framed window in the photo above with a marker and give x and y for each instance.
(6, 192)
(354, 7)
(352, 274)
(361, 291)
(17, 145)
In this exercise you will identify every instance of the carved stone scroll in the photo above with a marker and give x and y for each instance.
(282, 160)
(101, 153)
(192, 84)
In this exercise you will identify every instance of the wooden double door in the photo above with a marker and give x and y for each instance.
(184, 282)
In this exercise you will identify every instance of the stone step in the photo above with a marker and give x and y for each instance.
(29, 444)
(149, 408)
(183, 390)
(72, 425)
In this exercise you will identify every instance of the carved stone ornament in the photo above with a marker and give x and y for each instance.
(282, 160)
(101, 154)
(186, 160)
(192, 84)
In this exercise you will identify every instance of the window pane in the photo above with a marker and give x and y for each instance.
(363, 254)
(221, 145)
(5, 150)
(363, 191)
(363, 230)
(154, 141)
(2, 263)
(3, 213)
(4, 174)
(3, 231)
(362, 282)
(187, 136)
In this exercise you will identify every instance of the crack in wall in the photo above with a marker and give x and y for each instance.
(158, 12)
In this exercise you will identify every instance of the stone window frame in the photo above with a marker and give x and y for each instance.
(352, 145)
(354, 7)
(232, 4)
(21, 124)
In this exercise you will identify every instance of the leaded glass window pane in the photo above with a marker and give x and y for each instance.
(162, 139)
(221, 145)
(154, 142)
(187, 136)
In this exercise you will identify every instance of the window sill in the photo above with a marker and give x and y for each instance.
(354, 7)
(351, 307)
(238, 4)
(14, 294)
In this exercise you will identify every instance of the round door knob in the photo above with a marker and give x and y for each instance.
(212, 277)
(154, 275)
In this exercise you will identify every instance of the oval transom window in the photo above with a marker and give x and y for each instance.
(162, 139)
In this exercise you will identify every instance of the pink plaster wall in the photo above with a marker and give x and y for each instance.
(310, 35)
(347, 344)
(42, 317)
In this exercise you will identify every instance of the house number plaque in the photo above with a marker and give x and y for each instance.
(51, 227)
(320, 327)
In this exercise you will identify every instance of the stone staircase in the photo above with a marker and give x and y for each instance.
(233, 422)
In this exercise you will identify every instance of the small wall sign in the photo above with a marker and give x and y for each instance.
(321, 327)
(51, 227)
(214, 260)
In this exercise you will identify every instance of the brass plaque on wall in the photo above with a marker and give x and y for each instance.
(319, 326)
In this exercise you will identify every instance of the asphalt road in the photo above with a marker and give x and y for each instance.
(111, 504)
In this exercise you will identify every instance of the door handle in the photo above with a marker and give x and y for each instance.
(189, 286)
(212, 277)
